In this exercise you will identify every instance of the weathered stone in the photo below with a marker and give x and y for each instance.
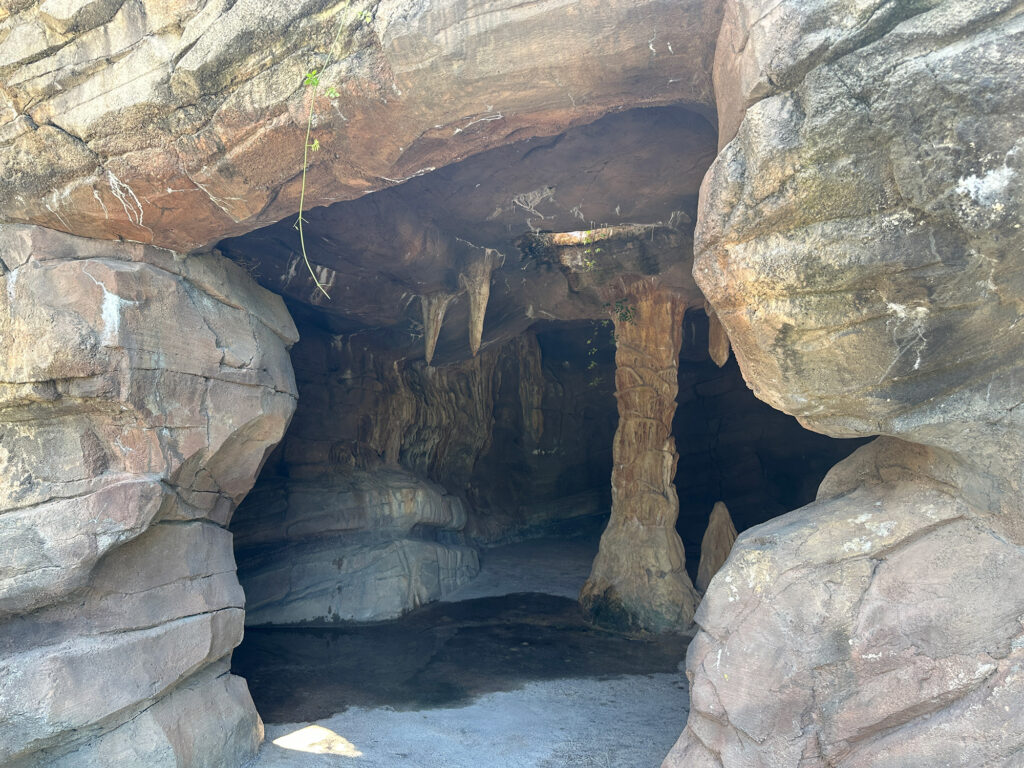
(716, 545)
(434, 307)
(141, 394)
(178, 124)
(867, 269)
(477, 282)
(351, 547)
(718, 339)
(915, 644)
(639, 581)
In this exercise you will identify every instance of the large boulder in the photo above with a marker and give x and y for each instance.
(860, 239)
(141, 393)
(881, 625)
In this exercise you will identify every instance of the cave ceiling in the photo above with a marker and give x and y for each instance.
(553, 222)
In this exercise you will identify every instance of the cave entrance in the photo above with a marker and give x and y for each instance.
(413, 550)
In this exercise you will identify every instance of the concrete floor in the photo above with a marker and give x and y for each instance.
(476, 683)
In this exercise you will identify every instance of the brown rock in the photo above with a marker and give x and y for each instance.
(716, 545)
(874, 669)
(639, 581)
(141, 393)
(200, 129)
(867, 269)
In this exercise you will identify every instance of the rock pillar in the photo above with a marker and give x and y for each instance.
(639, 581)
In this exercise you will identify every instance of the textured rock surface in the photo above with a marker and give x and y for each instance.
(867, 269)
(355, 548)
(912, 654)
(141, 394)
(716, 545)
(639, 580)
(180, 123)
(415, 257)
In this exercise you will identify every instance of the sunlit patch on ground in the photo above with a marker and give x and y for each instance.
(319, 741)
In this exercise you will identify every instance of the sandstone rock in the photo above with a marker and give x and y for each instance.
(357, 546)
(477, 282)
(718, 339)
(913, 647)
(639, 581)
(329, 580)
(867, 269)
(178, 124)
(434, 307)
(715, 546)
(141, 394)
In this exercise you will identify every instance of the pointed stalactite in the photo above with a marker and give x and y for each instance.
(477, 282)
(716, 545)
(434, 307)
(718, 340)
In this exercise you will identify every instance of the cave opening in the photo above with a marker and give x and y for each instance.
(420, 538)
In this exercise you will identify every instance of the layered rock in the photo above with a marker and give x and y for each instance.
(867, 270)
(638, 581)
(141, 393)
(178, 124)
(910, 654)
(356, 547)
(716, 545)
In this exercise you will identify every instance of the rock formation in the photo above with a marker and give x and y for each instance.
(867, 269)
(434, 307)
(639, 580)
(179, 124)
(718, 339)
(858, 241)
(477, 282)
(715, 546)
(141, 394)
(351, 548)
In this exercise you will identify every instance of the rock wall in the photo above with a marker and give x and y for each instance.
(860, 239)
(355, 547)
(141, 393)
(393, 470)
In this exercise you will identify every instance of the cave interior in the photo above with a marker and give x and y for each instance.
(456, 372)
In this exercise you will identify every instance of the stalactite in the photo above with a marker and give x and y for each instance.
(477, 282)
(716, 545)
(434, 307)
(718, 340)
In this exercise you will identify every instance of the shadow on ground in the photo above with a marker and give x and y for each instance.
(441, 655)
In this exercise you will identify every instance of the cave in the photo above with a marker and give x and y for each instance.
(478, 382)
(421, 535)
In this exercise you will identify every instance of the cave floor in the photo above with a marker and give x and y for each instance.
(503, 673)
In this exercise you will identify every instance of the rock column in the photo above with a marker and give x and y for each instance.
(639, 581)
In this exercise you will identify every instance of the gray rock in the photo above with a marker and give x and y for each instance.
(141, 394)
(353, 547)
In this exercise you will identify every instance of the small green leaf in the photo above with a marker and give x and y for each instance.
(315, 146)
(332, 92)
(312, 78)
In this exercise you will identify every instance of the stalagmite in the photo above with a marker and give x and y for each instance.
(477, 282)
(718, 340)
(638, 581)
(716, 545)
(434, 307)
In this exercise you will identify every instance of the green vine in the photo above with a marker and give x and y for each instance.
(312, 80)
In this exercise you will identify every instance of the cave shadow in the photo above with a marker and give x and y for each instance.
(441, 655)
